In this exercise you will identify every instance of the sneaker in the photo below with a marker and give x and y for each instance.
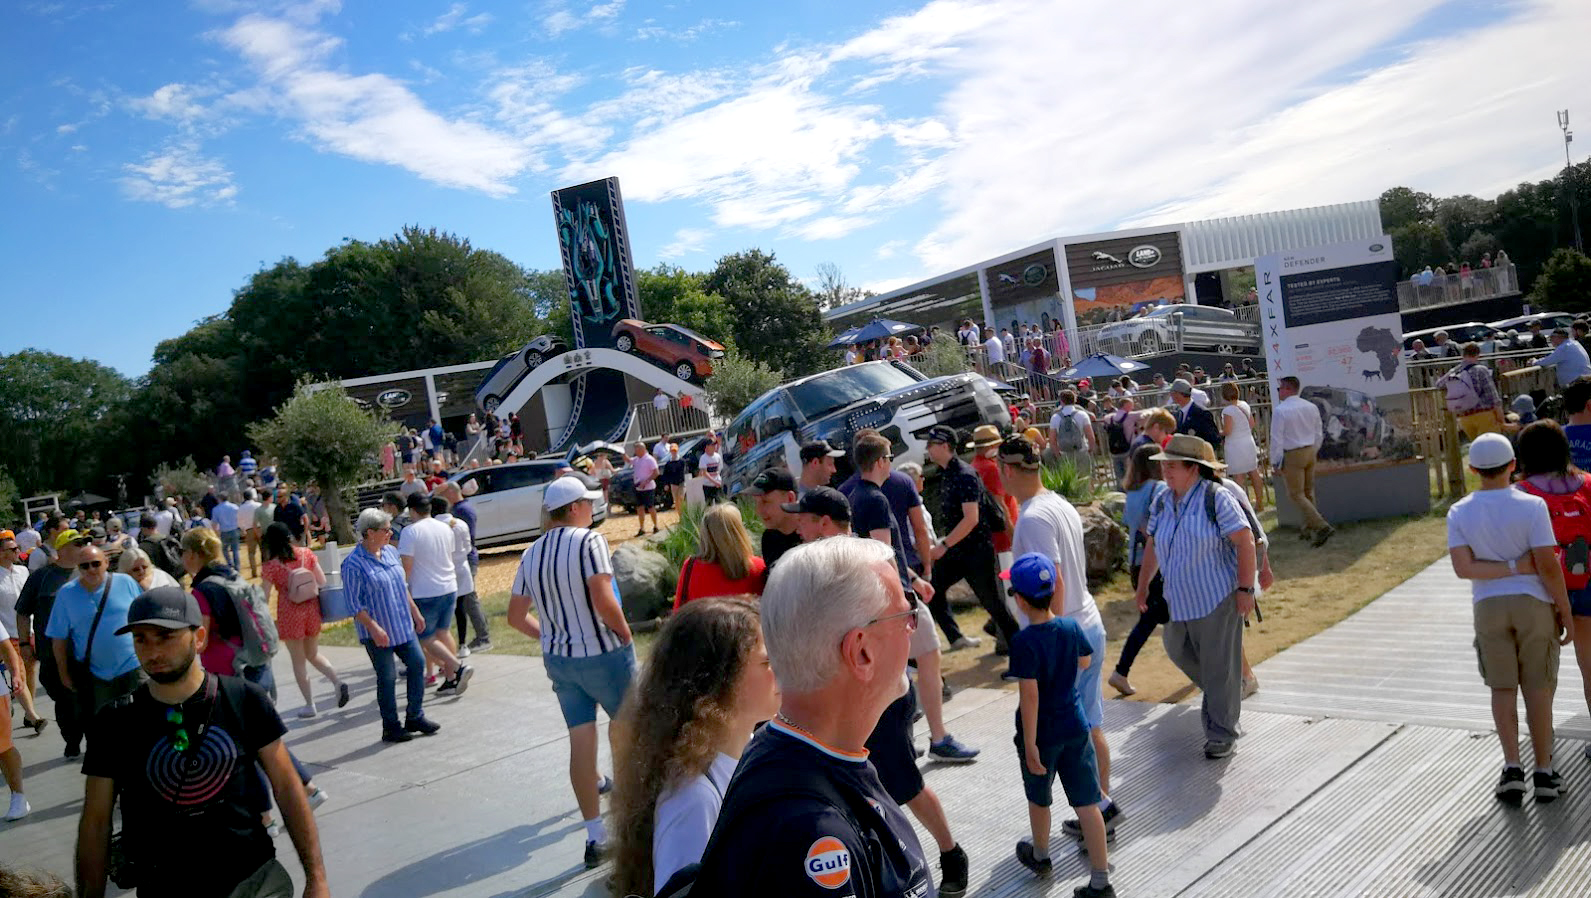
(422, 725)
(19, 807)
(604, 785)
(990, 628)
(395, 736)
(952, 752)
(1548, 785)
(1321, 537)
(965, 642)
(463, 678)
(73, 751)
(448, 687)
(481, 644)
(38, 724)
(595, 855)
(1251, 685)
(430, 680)
(1087, 891)
(953, 872)
(1120, 684)
(306, 712)
(342, 694)
(464, 652)
(1218, 750)
(317, 797)
(945, 692)
(1074, 827)
(273, 829)
(1304, 535)
(1511, 786)
(1026, 857)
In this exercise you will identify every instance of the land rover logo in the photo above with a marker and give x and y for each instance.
(1146, 256)
(394, 398)
(1034, 274)
(1377, 247)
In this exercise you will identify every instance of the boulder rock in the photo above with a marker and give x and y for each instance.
(1104, 542)
(1114, 504)
(644, 579)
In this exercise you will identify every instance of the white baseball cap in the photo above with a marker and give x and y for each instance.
(1490, 450)
(565, 490)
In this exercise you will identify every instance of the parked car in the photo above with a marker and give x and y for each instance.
(621, 491)
(1549, 321)
(1457, 334)
(680, 350)
(507, 500)
(506, 374)
(889, 396)
(591, 450)
(1204, 328)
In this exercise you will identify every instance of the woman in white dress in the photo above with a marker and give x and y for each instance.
(1242, 453)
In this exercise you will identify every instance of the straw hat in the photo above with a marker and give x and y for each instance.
(1189, 448)
(986, 435)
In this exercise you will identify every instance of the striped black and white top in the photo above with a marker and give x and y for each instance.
(553, 573)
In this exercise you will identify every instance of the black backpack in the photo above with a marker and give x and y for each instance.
(1116, 435)
(166, 554)
(991, 511)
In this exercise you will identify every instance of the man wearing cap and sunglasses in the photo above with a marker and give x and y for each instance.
(966, 551)
(183, 766)
(585, 640)
(95, 664)
(817, 465)
(34, 607)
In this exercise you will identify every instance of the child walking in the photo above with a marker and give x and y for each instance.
(1052, 733)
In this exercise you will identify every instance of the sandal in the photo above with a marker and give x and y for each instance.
(38, 724)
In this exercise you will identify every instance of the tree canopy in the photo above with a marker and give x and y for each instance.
(59, 421)
(775, 318)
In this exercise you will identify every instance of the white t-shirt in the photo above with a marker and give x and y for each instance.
(685, 818)
(1049, 525)
(430, 543)
(1201, 398)
(995, 348)
(246, 513)
(164, 519)
(1084, 423)
(695, 494)
(1499, 525)
(715, 460)
(28, 539)
(461, 553)
(11, 580)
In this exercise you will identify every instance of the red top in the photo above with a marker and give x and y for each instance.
(705, 580)
(990, 473)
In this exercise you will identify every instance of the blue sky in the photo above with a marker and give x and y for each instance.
(152, 156)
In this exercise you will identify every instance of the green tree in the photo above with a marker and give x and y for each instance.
(672, 294)
(737, 381)
(180, 479)
(1402, 206)
(1477, 244)
(10, 499)
(943, 358)
(1564, 284)
(832, 290)
(55, 420)
(1420, 244)
(776, 319)
(1460, 216)
(321, 436)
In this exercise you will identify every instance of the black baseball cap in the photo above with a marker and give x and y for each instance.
(818, 449)
(940, 433)
(824, 501)
(773, 480)
(164, 606)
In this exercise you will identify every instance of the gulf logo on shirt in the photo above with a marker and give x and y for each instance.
(829, 863)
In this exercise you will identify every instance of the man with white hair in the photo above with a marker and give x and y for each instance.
(806, 813)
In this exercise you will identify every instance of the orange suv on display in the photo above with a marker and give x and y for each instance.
(683, 352)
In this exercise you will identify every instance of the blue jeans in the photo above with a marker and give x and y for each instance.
(381, 659)
(231, 543)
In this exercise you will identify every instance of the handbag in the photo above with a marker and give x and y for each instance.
(82, 671)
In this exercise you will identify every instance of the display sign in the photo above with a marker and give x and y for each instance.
(1113, 278)
(595, 243)
(1329, 317)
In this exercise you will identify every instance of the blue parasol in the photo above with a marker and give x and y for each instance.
(1102, 365)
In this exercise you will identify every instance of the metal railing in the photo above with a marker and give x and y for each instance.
(674, 419)
(1461, 287)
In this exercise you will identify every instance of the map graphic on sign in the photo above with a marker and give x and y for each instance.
(1380, 342)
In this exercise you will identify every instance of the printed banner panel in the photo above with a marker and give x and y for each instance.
(595, 243)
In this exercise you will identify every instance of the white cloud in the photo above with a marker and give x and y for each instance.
(374, 117)
(457, 17)
(66, 129)
(686, 241)
(651, 31)
(888, 249)
(178, 176)
(558, 19)
(176, 103)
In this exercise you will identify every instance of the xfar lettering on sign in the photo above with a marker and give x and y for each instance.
(828, 863)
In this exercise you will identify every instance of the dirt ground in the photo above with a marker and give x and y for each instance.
(1314, 589)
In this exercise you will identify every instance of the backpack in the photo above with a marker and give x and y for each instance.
(301, 585)
(1462, 398)
(1116, 434)
(166, 554)
(1070, 436)
(254, 622)
(991, 511)
(1571, 527)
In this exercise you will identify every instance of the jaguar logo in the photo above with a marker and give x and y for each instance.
(394, 399)
(1105, 257)
(1145, 256)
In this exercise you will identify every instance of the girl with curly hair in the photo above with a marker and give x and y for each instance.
(708, 684)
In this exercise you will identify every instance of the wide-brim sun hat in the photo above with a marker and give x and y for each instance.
(986, 435)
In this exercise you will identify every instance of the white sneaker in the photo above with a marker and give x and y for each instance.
(306, 712)
(965, 642)
(317, 798)
(1251, 685)
(464, 651)
(19, 807)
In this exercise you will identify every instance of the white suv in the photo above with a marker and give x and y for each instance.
(507, 500)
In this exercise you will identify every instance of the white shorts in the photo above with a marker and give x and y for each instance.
(925, 639)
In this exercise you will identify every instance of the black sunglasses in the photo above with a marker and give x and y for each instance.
(90, 565)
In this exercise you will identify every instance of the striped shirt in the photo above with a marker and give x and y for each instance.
(376, 586)
(553, 573)
(1197, 560)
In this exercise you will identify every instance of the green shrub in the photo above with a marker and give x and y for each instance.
(1066, 478)
(682, 541)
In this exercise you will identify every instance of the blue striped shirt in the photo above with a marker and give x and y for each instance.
(1197, 560)
(376, 586)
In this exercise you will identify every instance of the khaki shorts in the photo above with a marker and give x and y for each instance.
(925, 639)
(1516, 642)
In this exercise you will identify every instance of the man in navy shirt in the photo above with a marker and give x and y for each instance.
(805, 814)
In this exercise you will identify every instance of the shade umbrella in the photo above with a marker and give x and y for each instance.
(883, 329)
(84, 500)
(846, 338)
(1102, 365)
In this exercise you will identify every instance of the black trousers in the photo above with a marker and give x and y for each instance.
(66, 716)
(1157, 615)
(980, 568)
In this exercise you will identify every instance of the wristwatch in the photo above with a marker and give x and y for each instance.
(1513, 566)
(1247, 589)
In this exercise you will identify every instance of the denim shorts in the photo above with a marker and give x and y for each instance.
(437, 612)
(1088, 679)
(1580, 602)
(583, 683)
(1073, 761)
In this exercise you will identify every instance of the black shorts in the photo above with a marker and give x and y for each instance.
(645, 498)
(891, 751)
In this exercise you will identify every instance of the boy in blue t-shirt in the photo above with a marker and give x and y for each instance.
(1052, 734)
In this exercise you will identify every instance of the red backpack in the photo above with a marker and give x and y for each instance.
(1571, 527)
